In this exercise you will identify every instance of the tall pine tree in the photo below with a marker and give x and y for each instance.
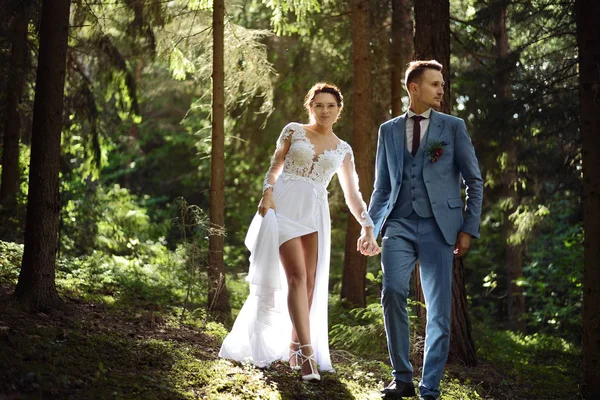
(588, 32)
(36, 288)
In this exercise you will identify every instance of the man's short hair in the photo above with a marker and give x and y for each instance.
(415, 70)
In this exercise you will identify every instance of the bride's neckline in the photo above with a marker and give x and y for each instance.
(305, 127)
(316, 156)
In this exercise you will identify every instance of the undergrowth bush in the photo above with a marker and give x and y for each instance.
(361, 330)
(124, 254)
(10, 261)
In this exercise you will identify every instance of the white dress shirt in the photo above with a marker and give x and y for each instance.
(410, 127)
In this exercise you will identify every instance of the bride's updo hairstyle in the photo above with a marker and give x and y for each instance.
(323, 87)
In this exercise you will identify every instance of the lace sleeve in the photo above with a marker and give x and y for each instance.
(283, 145)
(349, 180)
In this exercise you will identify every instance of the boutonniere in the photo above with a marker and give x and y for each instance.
(435, 150)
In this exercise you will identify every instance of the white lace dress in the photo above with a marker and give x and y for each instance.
(261, 333)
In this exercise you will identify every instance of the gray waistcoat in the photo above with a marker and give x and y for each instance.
(413, 193)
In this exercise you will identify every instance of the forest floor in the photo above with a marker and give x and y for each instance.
(103, 350)
(129, 341)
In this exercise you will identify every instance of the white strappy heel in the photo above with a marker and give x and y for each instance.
(314, 375)
(297, 356)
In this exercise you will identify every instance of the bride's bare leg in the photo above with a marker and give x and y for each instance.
(310, 246)
(291, 254)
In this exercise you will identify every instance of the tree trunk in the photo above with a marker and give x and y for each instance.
(463, 346)
(36, 289)
(218, 297)
(588, 32)
(14, 92)
(513, 251)
(401, 50)
(355, 264)
(420, 309)
(432, 41)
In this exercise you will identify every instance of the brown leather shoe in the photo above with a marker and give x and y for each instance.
(396, 390)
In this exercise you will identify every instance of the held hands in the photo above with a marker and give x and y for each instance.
(366, 243)
(266, 202)
(462, 244)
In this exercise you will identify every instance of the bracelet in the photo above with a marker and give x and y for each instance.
(266, 186)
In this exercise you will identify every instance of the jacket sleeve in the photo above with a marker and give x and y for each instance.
(382, 185)
(469, 169)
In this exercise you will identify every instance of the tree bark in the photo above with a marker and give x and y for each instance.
(401, 50)
(14, 91)
(463, 346)
(420, 309)
(513, 251)
(218, 297)
(432, 41)
(36, 289)
(588, 32)
(355, 264)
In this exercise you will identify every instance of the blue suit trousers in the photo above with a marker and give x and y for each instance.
(406, 240)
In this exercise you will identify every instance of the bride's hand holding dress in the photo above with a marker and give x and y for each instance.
(266, 202)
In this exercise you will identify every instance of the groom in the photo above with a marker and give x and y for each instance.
(422, 157)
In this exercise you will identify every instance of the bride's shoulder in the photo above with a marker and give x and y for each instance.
(293, 126)
(291, 130)
(345, 146)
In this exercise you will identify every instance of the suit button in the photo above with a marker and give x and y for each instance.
(414, 176)
(413, 188)
(414, 165)
(413, 199)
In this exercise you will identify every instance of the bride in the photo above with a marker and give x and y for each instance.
(290, 239)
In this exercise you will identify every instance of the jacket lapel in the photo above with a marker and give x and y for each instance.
(399, 139)
(434, 132)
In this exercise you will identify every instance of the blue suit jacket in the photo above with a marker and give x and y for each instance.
(442, 178)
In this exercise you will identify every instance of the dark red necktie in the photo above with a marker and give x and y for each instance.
(416, 133)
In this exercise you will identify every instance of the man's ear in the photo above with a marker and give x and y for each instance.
(412, 86)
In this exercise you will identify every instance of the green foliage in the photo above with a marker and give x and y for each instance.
(12, 228)
(158, 276)
(10, 260)
(186, 44)
(281, 10)
(553, 277)
(360, 330)
(125, 227)
(238, 289)
(526, 220)
(107, 219)
(179, 65)
(549, 364)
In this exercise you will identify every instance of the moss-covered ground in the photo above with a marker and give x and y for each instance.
(116, 346)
